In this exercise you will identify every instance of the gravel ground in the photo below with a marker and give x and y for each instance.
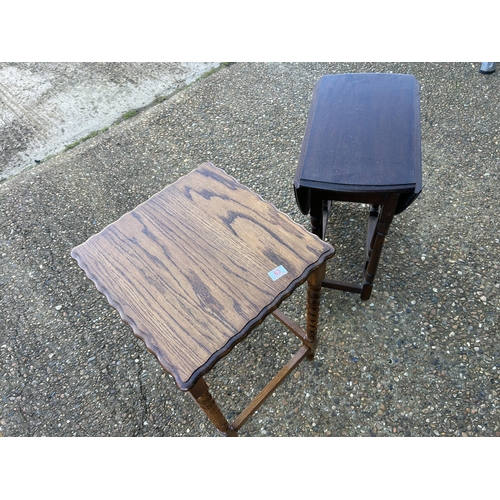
(420, 358)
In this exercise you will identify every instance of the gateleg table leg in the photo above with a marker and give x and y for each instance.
(206, 402)
(385, 217)
(318, 222)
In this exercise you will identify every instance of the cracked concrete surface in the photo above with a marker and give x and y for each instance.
(45, 107)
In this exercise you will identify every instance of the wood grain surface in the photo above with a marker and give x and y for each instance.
(363, 133)
(188, 269)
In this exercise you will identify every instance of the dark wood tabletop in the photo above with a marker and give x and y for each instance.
(363, 134)
(196, 267)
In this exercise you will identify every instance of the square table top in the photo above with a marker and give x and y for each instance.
(197, 266)
(363, 134)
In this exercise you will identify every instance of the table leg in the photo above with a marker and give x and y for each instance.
(317, 221)
(313, 302)
(206, 402)
(374, 251)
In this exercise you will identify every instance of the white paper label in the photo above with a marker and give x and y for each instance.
(277, 273)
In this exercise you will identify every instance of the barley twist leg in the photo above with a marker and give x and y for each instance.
(207, 403)
(313, 302)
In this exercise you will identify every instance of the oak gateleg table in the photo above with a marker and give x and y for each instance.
(195, 268)
(362, 144)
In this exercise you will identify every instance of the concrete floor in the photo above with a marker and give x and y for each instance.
(44, 107)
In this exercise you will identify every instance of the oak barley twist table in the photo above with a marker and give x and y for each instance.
(196, 268)
(362, 144)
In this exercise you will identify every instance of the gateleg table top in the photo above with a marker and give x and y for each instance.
(363, 134)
